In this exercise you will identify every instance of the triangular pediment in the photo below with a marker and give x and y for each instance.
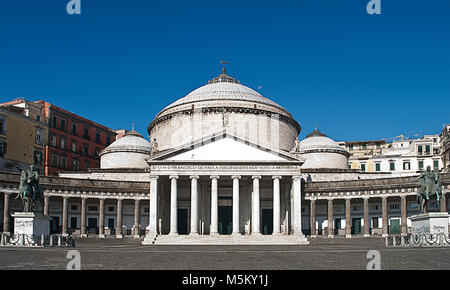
(223, 147)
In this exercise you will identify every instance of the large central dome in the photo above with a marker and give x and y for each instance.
(224, 104)
(224, 88)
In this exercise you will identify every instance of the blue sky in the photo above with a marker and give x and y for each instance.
(358, 76)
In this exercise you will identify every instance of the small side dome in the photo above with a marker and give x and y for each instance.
(322, 152)
(130, 151)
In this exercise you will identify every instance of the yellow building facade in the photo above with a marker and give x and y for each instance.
(23, 136)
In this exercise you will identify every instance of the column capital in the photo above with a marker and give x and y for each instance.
(276, 177)
(154, 176)
(296, 177)
(214, 177)
(256, 177)
(366, 197)
(235, 177)
(194, 177)
(173, 176)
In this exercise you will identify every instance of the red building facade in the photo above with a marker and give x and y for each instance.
(74, 142)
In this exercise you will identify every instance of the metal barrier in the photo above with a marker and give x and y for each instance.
(24, 240)
(423, 240)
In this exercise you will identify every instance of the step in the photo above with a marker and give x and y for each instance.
(230, 240)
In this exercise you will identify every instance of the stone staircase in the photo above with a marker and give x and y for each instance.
(226, 240)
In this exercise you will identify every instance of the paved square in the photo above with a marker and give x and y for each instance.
(323, 253)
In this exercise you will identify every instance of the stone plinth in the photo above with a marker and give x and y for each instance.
(30, 223)
(430, 223)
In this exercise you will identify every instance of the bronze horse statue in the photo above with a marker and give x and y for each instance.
(430, 185)
(29, 189)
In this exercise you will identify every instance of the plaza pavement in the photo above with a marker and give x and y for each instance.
(322, 254)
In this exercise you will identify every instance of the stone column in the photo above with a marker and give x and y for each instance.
(297, 187)
(153, 215)
(101, 218)
(46, 203)
(214, 206)
(173, 205)
(312, 218)
(348, 219)
(444, 202)
(276, 205)
(404, 214)
(83, 217)
(384, 215)
(194, 205)
(64, 217)
(119, 233)
(137, 218)
(330, 219)
(6, 217)
(236, 205)
(366, 229)
(256, 226)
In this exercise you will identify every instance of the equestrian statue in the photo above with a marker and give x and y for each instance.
(430, 185)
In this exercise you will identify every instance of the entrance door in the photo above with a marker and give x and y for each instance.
(92, 225)
(337, 226)
(182, 221)
(267, 221)
(394, 228)
(54, 225)
(225, 220)
(356, 226)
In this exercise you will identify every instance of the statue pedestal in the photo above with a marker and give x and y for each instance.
(430, 223)
(30, 223)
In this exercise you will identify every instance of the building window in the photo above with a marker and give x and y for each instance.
(63, 162)
(37, 157)
(108, 140)
(74, 146)
(75, 164)
(2, 148)
(420, 164)
(375, 223)
(55, 160)
(74, 129)
(88, 164)
(392, 166)
(2, 126)
(38, 139)
(97, 137)
(364, 146)
(53, 141)
(54, 122)
(394, 206)
(63, 143)
(63, 124)
(92, 208)
(420, 150)
(363, 167)
(427, 150)
(377, 167)
(85, 149)
(96, 152)
(406, 165)
(73, 207)
(436, 164)
(110, 208)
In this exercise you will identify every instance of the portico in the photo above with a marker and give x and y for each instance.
(204, 188)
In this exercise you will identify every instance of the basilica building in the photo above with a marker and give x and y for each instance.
(224, 165)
